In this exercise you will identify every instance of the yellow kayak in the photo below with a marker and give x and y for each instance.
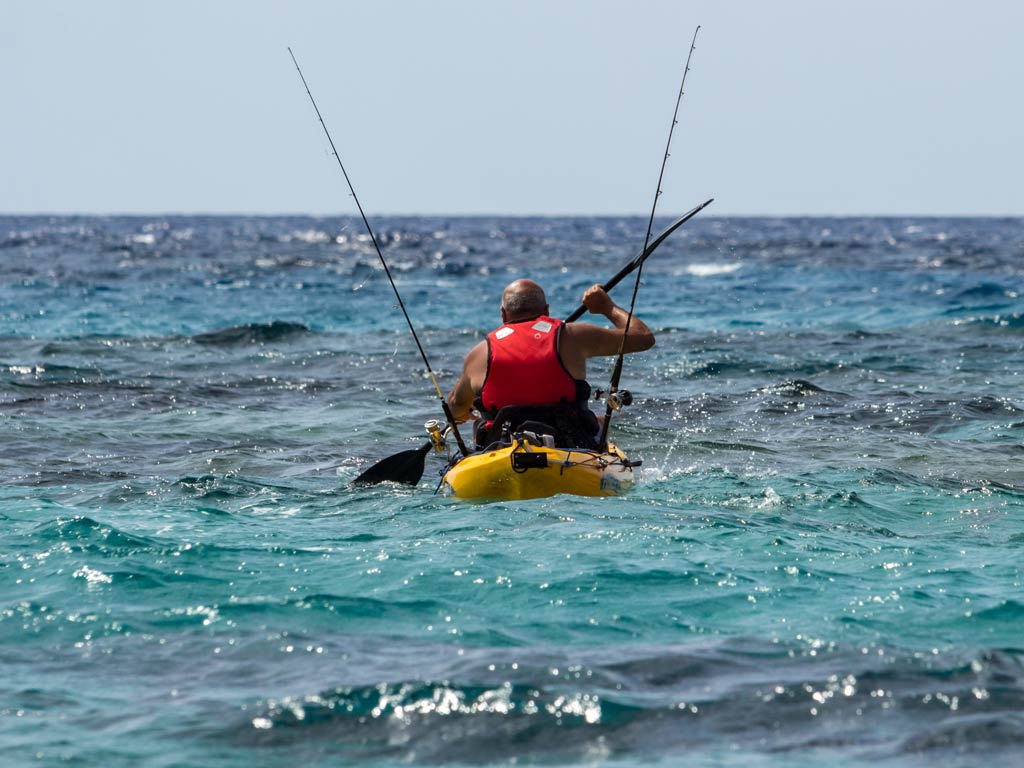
(525, 470)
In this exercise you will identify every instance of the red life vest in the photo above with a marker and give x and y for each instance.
(524, 367)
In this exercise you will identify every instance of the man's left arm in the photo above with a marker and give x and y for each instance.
(597, 341)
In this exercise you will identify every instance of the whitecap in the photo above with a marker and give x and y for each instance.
(309, 236)
(92, 575)
(710, 270)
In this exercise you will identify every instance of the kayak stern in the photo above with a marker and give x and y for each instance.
(528, 471)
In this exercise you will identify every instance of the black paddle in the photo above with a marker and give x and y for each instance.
(407, 467)
(637, 261)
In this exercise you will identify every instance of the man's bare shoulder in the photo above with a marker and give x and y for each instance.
(479, 349)
(474, 368)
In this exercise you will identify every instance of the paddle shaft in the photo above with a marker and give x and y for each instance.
(642, 257)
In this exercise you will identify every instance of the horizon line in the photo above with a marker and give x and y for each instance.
(494, 215)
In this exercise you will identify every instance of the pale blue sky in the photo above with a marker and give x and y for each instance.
(532, 106)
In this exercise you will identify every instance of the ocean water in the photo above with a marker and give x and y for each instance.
(820, 565)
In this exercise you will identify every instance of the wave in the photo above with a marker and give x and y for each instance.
(1006, 610)
(718, 445)
(228, 486)
(353, 608)
(796, 388)
(1013, 321)
(745, 366)
(983, 291)
(986, 405)
(82, 533)
(252, 333)
(496, 705)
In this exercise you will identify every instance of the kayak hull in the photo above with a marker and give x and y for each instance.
(528, 471)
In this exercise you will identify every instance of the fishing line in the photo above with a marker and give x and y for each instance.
(613, 387)
(380, 255)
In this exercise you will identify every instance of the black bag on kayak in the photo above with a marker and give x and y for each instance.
(570, 425)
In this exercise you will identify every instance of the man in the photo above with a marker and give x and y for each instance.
(539, 365)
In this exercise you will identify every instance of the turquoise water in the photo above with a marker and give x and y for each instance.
(821, 562)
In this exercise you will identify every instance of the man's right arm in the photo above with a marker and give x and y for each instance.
(460, 399)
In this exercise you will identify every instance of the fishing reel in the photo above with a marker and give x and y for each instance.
(615, 400)
(436, 434)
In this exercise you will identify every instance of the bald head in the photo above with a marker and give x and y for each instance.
(523, 300)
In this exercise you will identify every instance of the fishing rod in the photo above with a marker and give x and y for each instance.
(444, 403)
(613, 401)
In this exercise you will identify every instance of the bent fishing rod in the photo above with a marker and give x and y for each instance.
(612, 401)
(444, 403)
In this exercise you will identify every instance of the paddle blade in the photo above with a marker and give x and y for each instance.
(405, 467)
(642, 257)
